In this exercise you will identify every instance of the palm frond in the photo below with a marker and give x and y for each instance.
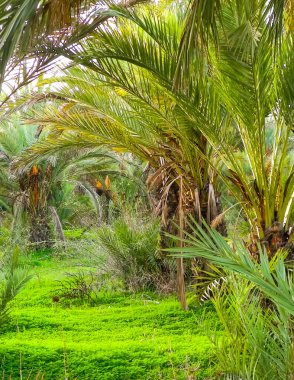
(271, 277)
(34, 33)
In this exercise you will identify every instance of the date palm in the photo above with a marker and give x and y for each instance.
(247, 50)
(34, 190)
(222, 87)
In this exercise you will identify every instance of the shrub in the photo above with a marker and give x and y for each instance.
(77, 286)
(133, 253)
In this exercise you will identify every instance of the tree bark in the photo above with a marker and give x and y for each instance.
(40, 232)
(58, 224)
(180, 261)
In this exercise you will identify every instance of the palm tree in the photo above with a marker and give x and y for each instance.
(123, 106)
(242, 90)
(35, 189)
(247, 50)
(222, 87)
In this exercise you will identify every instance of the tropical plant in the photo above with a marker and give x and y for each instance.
(255, 343)
(36, 191)
(242, 89)
(132, 253)
(255, 307)
(244, 50)
(200, 102)
(271, 276)
(101, 97)
(13, 278)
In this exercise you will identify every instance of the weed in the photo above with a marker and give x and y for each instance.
(76, 286)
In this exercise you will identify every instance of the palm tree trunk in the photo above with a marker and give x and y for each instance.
(58, 224)
(40, 232)
(180, 261)
(181, 283)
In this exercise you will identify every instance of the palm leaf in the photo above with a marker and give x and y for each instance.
(271, 277)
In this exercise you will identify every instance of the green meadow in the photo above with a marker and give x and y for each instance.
(119, 336)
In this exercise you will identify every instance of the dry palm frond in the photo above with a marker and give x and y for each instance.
(220, 218)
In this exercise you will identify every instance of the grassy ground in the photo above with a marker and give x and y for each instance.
(121, 336)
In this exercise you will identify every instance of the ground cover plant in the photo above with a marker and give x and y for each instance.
(122, 335)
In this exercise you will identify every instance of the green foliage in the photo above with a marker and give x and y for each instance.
(257, 342)
(73, 234)
(254, 304)
(137, 105)
(133, 252)
(273, 277)
(5, 235)
(27, 28)
(76, 286)
(12, 280)
(57, 190)
(205, 96)
(206, 112)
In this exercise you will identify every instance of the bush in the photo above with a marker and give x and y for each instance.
(133, 253)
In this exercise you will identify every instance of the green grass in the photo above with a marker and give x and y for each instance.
(123, 336)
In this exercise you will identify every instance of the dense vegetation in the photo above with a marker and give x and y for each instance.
(147, 153)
